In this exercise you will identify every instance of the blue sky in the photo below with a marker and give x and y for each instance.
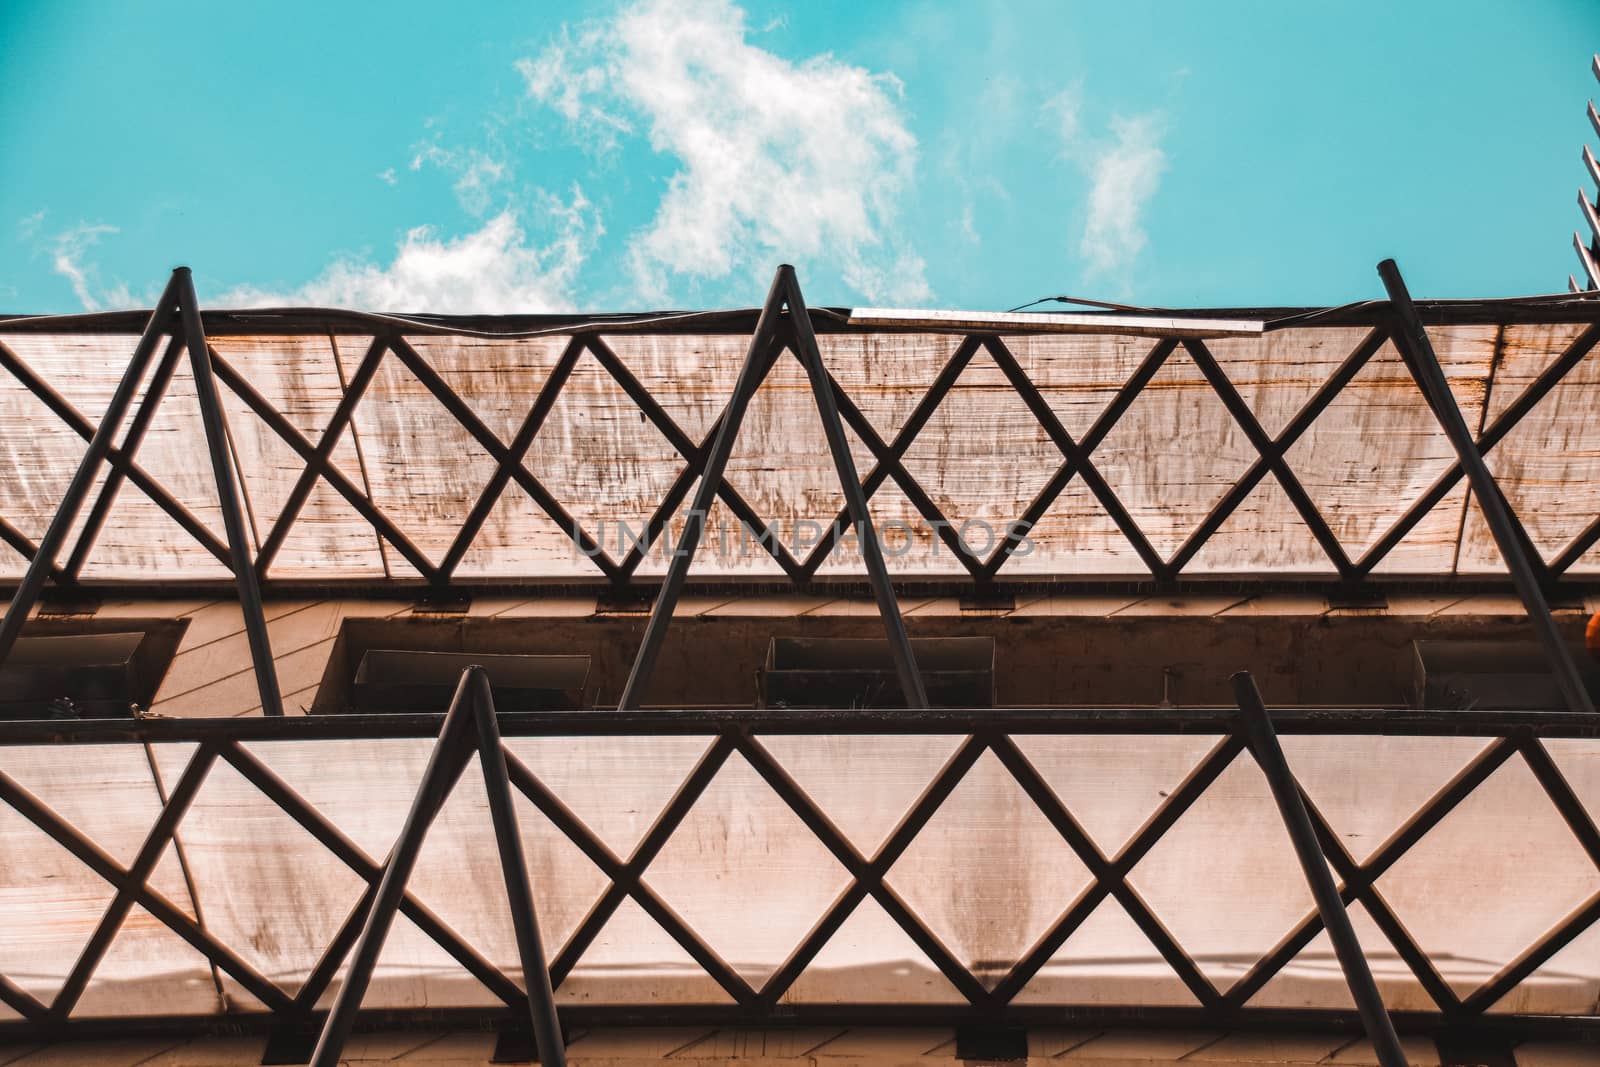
(496, 156)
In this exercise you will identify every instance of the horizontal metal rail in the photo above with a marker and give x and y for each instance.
(678, 722)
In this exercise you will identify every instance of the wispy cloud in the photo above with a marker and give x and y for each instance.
(69, 256)
(477, 173)
(1124, 171)
(1126, 175)
(497, 269)
(804, 160)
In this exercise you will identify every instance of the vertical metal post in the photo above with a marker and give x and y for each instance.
(519, 892)
(435, 785)
(1414, 345)
(55, 536)
(905, 662)
(244, 572)
(1263, 741)
(751, 375)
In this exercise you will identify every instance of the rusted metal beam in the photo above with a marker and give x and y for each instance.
(449, 754)
(694, 456)
(84, 428)
(1286, 792)
(844, 465)
(754, 370)
(55, 537)
(1497, 430)
(514, 870)
(868, 874)
(351, 855)
(628, 880)
(150, 853)
(1071, 465)
(130, 447)
(889, 462)
(625, 878)
(233, 522)
(318, 462)
(1076, 454)
(1272, 454)
(175, 918)
(291, 436)
(1359, 882)
(1412, 341)
(516, 452)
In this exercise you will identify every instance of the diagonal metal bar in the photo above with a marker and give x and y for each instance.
(26, 548)
(514, 870)
(1510, 537)
(894, 624)
(1111, 874)
(868, 875)
(353, 856)
(629, 877)
(1576, 549)
(695, 457)
(1561, 794)
(1097, 433)
(321, 458)
(100, 445)
(1383, 915)
(497, 450)
(298, 441)
(516, 452)
(1270, 452)
(20, 1000)
(751, 373)
(437, 779)
(1493, 434)
(613, 867)
(108, 868)
(857, 420)
(1537, 955)
(1309, 412)
(144, 865)
(215, 423)
(1359, 881)
(1269, 757)
(137, 428)
(1062, 439)
(1582, 825)
(888, 461)
(114, 457)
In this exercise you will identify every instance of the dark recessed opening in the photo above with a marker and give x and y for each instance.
(87, 668)
(1500, 675)
(391, 680)
(845, 672)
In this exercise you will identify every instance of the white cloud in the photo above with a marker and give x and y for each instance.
(387, 176)
(778, 160)
(557, 79)
(1125, 177)
(494, 270)
(477, 173)
(68, 252)
(28, 225)
(1063, 110)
